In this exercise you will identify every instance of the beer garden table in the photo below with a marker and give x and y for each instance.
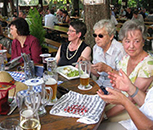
(52, 122)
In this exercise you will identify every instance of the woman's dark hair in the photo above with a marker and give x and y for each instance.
(79, 26)
(21, 25)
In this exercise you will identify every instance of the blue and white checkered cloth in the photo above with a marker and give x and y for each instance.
(19, 76)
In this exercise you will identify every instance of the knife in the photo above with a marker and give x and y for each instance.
(13, 107)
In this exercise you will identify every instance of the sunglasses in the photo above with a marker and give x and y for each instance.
(99, 35)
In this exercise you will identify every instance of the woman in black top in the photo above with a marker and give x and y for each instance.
(70, 52)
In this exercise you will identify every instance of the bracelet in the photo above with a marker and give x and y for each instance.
(105, 116)
(133, 95)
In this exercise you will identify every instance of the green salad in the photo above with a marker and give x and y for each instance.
(73, 73)
(70, 72)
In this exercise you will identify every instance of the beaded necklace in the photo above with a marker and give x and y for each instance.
(67, 51)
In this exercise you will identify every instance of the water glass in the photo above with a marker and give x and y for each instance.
(2, 65)
(44, 56)
(29, 70)
(10, 124)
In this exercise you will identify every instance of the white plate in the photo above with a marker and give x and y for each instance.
(61, 71)
(3, 51)
(45, 55)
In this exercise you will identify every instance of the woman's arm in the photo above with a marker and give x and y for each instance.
(86, 53)
(36, 50)
(116, 97)
(58, 54)
(143, 83)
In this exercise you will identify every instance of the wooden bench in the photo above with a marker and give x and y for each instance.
(53, 43)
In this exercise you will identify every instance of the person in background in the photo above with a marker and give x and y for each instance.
(50, 19)
(137, 16)
(141, 118)
(59, 15)
(22, 14)
(113, 19)
(24, 42)
(129, 13)
(66, 17)
(70, 52)
(107, 52)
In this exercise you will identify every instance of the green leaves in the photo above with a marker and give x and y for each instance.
(35, 24)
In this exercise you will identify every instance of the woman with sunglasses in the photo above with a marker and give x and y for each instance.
(107, 52)
(70, 52)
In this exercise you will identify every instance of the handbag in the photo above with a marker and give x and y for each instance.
(4, 103)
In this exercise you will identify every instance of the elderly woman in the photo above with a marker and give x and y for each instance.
(24, 42)
(137, 64)
(107, 52)
(70, 52)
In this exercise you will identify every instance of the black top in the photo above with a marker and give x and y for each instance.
(63, 59)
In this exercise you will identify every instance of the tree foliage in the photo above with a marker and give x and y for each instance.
(35, 24)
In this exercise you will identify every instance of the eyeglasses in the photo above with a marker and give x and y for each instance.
(71, 30)
(99, 35)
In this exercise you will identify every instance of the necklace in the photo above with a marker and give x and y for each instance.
(67, 51)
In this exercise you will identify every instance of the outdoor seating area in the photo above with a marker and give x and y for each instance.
(76, 65)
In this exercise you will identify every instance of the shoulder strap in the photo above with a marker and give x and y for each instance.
(5, 83)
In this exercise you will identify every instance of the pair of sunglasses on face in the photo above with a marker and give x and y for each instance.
(99, 35)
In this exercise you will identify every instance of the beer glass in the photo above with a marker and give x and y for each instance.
(29, 120)
(50, 80)
(84, 73)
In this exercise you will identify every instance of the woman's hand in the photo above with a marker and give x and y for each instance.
(121, 82)
(100, 67)
(81, 58)
(114, 96)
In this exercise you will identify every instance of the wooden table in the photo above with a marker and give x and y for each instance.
(57, 28)
(52, 122)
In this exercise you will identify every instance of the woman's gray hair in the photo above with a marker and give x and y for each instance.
(107, 24)
(132, 25)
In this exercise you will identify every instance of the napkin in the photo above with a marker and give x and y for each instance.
(88, 108)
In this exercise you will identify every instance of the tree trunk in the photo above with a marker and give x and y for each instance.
(41, 3)
(76, 5)
(4, 10)
(94, 13)
(67, 5)
(12, 6)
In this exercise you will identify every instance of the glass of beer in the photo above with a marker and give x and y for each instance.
(51, 77)
(29, 120)
(84, 73)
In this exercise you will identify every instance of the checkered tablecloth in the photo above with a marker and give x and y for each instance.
(19, 76)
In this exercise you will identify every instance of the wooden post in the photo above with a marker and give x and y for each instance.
(94, 13)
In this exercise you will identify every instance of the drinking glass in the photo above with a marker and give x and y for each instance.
(45, 94)
(29, 120)
(29, 69)
(44, 56)
(84, 73)
(26, 99)
(10, 124)
(51, 82)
